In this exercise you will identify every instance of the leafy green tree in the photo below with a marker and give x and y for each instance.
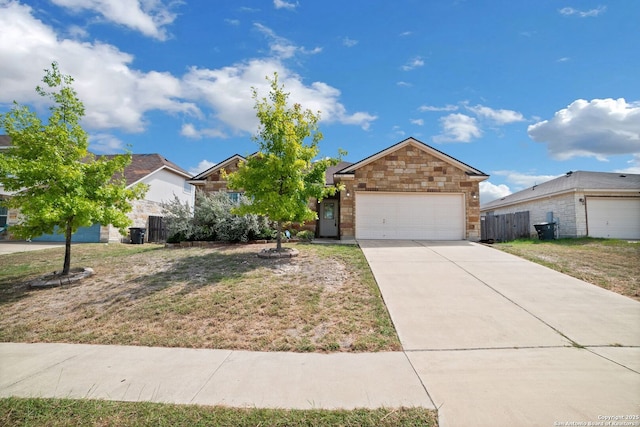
(60, 186)
(282, 176)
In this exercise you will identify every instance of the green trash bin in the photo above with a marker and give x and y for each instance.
(136, 234)
(546, 230)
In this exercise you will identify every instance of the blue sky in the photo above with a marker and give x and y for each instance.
(522, 90)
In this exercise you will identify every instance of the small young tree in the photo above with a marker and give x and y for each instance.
(57, 182)
(282, 177)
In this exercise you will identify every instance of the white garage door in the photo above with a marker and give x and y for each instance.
(412, 216)
(616, 218)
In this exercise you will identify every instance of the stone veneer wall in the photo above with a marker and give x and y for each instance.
(214, 182)
(410, 169)
(139, 215)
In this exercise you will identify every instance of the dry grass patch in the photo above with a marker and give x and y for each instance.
(226, 297)
(610, 264)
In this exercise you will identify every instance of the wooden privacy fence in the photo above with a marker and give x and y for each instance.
(505, 227)
(157, 232)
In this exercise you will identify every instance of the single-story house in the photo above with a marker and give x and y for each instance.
(595, 204)
(165, 179)
(406, 191)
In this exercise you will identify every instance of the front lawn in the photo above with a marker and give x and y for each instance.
(325, 300)
(65, 412)
(608, 263)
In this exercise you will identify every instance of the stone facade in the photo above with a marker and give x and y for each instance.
(409, 169)
(214, 182)
(139, 215)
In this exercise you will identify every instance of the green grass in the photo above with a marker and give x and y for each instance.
(66, 412)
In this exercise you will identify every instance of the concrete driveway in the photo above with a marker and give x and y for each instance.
(498, 340)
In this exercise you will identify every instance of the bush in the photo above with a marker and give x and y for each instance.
(178, 220)
(305, 235)
(213, 219)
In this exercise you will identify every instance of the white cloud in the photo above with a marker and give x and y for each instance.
(433, 108)
(489, 191)
(634, 165)
(458, 128)
(418, 122)
(104, 143)
(234, 22)
(282, 47)
(228, 92)
(563, 59)
(281, 4)
(413, 64)
(568, 11)
(117, 96)
(520, 180)
(201, 167)
(500, 117)
(349, 42)
(405, 33)
(596, 128)
(147, 16)
(189, 130)
(114, 95)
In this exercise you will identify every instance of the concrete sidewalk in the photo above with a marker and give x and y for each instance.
(498, 340)
(13, 246)
(211, 377)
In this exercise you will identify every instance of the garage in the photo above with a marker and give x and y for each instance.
(613, 217)
(410, 216)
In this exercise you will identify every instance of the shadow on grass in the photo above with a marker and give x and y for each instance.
(186, 275)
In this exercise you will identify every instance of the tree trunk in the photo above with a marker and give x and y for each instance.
(67, 250)
(279, 237)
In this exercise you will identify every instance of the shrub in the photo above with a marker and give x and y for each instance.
(213, 219)
(305, 235)
(178, 220)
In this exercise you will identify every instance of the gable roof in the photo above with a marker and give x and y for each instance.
(203, 175)
(471, 171)
(572, 181)
(143, 165)
(331, 170)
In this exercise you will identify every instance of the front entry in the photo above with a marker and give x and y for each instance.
(328, 218)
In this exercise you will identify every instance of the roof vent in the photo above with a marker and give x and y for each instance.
(623, 176)
(569, 173)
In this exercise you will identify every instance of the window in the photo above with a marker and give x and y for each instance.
(187, 187)
(328, 211)
(3, 216)
(234, 197)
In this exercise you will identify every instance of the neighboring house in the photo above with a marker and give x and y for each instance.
(165, 179)
(595, 204)
(407, 191)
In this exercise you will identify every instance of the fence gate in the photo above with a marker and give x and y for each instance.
(505, 227)
(157, 232)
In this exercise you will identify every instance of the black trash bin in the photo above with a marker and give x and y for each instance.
(136, 234)
(546, 230)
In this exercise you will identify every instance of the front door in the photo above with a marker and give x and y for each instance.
(329, 218)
